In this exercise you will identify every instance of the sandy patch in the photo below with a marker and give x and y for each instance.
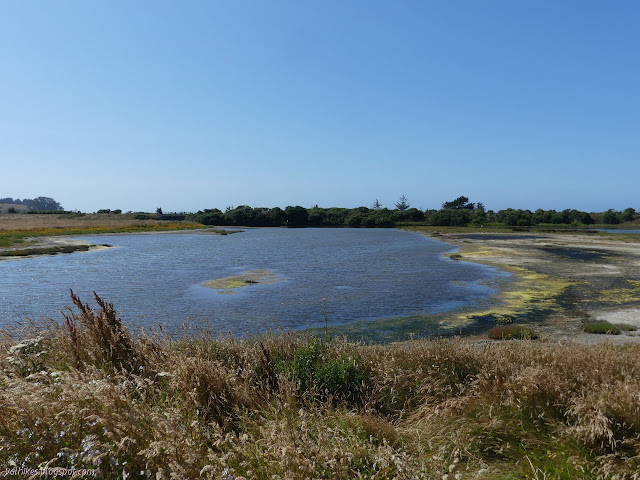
(628, 315)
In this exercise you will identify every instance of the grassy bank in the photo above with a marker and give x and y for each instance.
(22, 230)
(87, 394)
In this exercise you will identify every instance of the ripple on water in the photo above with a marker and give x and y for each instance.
(158, 279)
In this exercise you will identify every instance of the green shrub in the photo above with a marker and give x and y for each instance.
(317, 370)
(606, 328)
(343, 378)
(510, 332)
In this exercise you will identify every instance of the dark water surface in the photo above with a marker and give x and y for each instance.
(156, 279)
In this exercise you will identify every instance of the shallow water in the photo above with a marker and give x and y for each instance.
(157, 279)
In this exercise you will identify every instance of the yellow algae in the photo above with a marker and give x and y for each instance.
(620, 295)
(252, 277)
(540, 287)
(527, 291)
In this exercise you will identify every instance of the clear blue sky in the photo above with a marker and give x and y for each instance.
(188, 105)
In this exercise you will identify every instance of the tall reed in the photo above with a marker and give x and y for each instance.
(86, 393)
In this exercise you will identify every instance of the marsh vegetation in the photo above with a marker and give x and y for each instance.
(88, 393)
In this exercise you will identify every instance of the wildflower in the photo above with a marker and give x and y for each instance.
(227, 474)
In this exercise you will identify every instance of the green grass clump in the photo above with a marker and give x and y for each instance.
(89, 394)
(601, 328)
(511, 332)
(326, 372)
(607, 328)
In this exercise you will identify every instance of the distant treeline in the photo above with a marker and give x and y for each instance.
(458, 212)
(302, 217)
(44, 204)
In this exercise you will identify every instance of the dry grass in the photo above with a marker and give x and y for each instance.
(15, 230)
(92, 395)
(9, 222)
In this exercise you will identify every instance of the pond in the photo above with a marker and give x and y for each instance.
(355, 274)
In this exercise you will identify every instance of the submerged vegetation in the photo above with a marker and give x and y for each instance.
(89, 394)
(252, 277)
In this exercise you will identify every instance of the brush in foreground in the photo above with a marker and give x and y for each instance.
(90, 395)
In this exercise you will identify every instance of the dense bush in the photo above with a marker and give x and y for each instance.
(610, 217)
(318, 369)
(451, 218)
(301, 217)
(458, 213)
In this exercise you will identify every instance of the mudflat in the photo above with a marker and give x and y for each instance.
(560, 281)
(28, 235)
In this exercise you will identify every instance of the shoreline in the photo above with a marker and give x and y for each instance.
(49, 246)
(559, 281)
(43, 246)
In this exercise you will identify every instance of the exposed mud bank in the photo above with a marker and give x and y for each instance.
(560, 281)
(46, 246)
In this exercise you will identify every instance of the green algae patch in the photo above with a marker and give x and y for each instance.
(528, 292)
(252, 277)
